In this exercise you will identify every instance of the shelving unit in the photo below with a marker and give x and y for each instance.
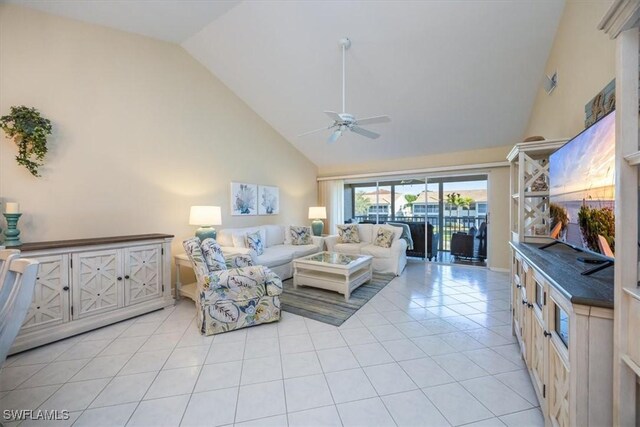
(622, 23)
(530, 190)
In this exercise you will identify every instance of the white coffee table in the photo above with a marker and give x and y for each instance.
(332, 271)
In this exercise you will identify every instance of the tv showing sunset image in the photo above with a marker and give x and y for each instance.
(582, 191)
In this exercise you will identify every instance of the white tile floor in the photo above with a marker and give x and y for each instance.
(434, 348)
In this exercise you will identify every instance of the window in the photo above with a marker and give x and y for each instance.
(481, 208)
(418, 209)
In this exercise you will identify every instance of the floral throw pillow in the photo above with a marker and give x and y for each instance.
(254, 241)
(384, 239)
(348, 233)
(300, 235)
(213, 256)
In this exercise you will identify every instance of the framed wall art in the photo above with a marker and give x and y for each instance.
(244, 199)
(268, 200)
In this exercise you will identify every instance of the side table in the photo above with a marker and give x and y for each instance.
(189, 290)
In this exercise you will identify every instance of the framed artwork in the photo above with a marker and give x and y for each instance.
(244, 199)
(268, 200)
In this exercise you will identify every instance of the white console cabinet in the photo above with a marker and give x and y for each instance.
(89, 283)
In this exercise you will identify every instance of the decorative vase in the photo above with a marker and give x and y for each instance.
(317, 226)
(11, 233)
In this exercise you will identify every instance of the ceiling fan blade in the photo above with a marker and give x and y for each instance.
(315, 131)
(333, 116)
(334, 136)
(373, 120)
(364, 132)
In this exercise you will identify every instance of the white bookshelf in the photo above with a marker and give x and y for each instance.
(530, 190)
(622, 22)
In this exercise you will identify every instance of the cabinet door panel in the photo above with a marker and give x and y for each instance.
(538, 353)
(559, 397)
(50, 305)
(143, 266)
(96, 288)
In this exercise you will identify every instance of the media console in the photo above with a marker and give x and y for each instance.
(563, 322)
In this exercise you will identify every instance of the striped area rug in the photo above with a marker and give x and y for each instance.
(328, 306)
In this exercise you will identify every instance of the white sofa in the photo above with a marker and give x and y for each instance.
(278, 253)
(385, 260)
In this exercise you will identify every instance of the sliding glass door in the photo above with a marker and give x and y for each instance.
(435, 208)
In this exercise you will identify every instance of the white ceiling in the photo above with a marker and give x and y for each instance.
(169, 20)
(452, 74)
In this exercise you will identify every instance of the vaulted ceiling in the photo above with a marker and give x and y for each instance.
(453, 75)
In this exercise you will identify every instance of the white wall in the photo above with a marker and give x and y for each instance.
(584, 58)
(141, 132)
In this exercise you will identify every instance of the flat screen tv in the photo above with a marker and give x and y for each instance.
(582, 190)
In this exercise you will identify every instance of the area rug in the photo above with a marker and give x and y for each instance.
(328, 306)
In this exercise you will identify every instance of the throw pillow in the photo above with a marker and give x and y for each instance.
(300, 235)
(213, 255)
(348, 233)
(254, 241)
(384, 239)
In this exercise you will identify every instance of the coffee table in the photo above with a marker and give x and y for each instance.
(332, 271)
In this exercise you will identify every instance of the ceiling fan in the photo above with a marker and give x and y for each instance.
(345, 121)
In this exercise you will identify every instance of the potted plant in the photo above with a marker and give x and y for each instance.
(29, 130)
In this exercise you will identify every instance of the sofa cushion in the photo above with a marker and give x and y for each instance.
(366, 232)
(254, 241)
(300, 235)
(238, 235)
(397, 231)
(274, 235)
(384, 238)
(348, 233)
(302, 250)
(349, 248)
(376, 251)
(275, 256)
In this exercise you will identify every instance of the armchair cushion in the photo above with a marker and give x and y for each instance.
(238, 260)
(213, 256)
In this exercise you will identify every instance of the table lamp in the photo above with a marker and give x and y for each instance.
(317, 214)
(205, 217)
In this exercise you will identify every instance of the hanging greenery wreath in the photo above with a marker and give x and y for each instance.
(29, 130)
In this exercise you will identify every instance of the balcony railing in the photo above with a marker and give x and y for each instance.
(451, 224)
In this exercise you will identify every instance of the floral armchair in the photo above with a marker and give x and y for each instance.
(231, 298)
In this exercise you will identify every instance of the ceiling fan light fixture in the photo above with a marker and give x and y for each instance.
(343, 120)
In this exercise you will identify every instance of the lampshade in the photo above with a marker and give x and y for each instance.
(205, 215)
(317, 212)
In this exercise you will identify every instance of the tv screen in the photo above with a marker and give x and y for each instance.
(582, 189)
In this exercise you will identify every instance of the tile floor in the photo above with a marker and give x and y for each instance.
(434, 348)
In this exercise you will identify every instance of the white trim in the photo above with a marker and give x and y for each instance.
(476, 167)
(622, 15)
(500, 269)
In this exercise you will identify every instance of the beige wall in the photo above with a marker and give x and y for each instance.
(141, 132)
(584, 58)
(498, 191)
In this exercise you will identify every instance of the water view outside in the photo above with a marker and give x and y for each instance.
(582, 191)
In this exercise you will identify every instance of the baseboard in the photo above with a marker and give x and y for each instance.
(500, 269)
